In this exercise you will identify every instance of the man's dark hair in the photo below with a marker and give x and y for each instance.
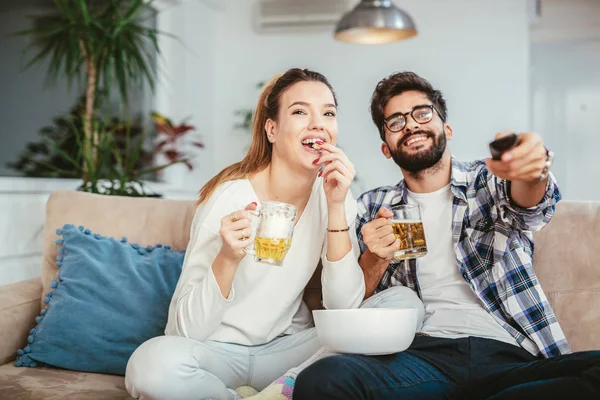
(397, 84)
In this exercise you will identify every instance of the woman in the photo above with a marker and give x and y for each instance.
(233, 321)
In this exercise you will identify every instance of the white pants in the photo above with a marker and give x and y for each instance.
(177, 368)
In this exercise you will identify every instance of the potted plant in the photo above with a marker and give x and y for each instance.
(106, 42)
(175, 143)
(40, 158)
(117, 169)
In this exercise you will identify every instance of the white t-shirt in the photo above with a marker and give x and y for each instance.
(452, 309)
(265, 301)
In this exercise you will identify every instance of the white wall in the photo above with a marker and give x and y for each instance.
(475, 51)
(185, 87)
(565, 86)
(566, 109)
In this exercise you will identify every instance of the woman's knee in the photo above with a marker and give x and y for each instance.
(154, 367)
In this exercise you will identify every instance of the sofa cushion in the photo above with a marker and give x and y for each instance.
(143, 220)
(57, 384)
(566, 263)
(578, 316)
(19, 304)
(109, 298)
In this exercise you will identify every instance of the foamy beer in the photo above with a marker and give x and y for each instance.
(272, 229)
(408, 227)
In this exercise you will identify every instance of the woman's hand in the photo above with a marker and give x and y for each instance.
(337, 174)
(235, 232)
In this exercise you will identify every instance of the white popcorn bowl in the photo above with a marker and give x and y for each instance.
(369, 331)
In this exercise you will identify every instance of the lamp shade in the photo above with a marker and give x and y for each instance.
(374, 22)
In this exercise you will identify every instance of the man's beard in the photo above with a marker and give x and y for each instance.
(421, 160)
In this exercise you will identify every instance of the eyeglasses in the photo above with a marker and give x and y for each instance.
(421, 114)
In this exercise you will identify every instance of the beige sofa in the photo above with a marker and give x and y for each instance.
(566, 259)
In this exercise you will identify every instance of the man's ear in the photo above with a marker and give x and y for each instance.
(271, 130)
(385, 149)
(448, 130)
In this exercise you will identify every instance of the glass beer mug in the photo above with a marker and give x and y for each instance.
(272, 229)
(408, 227)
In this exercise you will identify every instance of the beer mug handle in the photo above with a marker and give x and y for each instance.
(254, 225)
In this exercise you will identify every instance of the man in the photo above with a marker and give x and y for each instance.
(489, 331)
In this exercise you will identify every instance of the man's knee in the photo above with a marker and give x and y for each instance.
(328, 379)
(397, 297)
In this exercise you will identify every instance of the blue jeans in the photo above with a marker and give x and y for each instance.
(467, 368)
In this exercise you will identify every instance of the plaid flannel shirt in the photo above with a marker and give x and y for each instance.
(493, 242)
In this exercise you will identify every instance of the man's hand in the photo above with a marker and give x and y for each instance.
(379, 237)
(526, 166)
(525, 162)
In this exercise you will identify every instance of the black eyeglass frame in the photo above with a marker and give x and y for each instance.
(398, 114)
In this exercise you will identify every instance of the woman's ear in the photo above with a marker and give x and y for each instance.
(271, 130)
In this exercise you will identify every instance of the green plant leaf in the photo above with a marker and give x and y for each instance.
(113, 34)
(158, 168)
(135, 9)
(135, 155)
(63, 7)
(67, 157)
(84, 12)
(54, 168)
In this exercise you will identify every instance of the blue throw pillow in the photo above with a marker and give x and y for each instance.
(109, 297)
